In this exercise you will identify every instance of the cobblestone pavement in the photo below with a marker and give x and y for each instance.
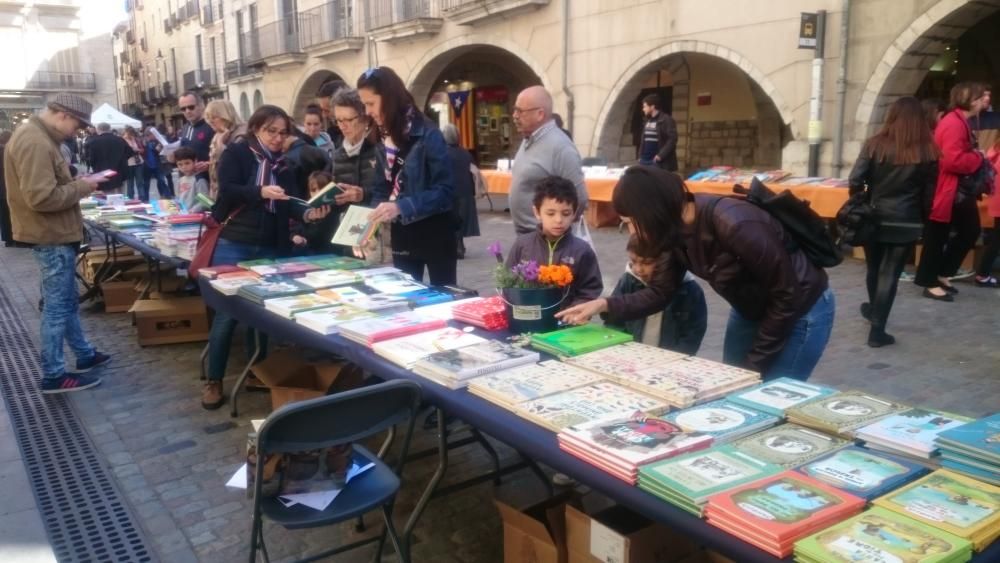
(171, 458)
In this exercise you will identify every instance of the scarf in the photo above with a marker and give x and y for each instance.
(269, 166)
(353, 150)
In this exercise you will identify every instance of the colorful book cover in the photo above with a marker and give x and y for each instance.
(360, 297)
(407, 350)
(778, 395)
(335, 262)
(326, 320)
(393, 284)
(635, 439)
(355, 229)
(630, 357)
(391, 326)
(788, 445)
(590, 402)
(578, 340)
(846, 411)
(329, 278)
(292, 305)
(230, 286)
(271, 289)
(698, 475)
(424, 297)
(528, 382)
(861, 472)
(247, 264)
(212, 272)
(982, 435)
(722, 420)
(879, 535)
(915, 429)
(480, 359)
(326, 196)
(949, 501)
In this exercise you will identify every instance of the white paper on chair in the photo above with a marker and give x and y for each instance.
(239, 479)
(319, 500)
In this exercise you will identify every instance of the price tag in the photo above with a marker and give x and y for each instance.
(527, 312)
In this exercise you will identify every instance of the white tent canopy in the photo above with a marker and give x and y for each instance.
(113, 117)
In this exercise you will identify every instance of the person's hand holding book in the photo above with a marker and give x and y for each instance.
(385, 212)
(316, 214)
(349, 194)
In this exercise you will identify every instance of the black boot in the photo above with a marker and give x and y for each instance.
(878, 337)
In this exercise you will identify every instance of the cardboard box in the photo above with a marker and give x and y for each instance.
(293, 378)
(537, 533)
(620, 535)
(119, 296)
(168, 321)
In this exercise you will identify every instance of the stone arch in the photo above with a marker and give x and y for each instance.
(908, 58)
(309, 83)
(773, 111)
(435, 60)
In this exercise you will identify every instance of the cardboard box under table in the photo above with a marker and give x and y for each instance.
(292, 378)
(119, 296)
(619, 534)
(537, 533)
(169, 321)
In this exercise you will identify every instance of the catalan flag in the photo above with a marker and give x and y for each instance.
(463, 118)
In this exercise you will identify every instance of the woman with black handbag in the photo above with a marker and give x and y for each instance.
(897, 172)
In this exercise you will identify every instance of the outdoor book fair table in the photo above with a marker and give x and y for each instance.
(156, 260)
(530, 440)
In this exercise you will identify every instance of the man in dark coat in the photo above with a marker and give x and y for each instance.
(108, 151)
(658, 146)
(6, 232)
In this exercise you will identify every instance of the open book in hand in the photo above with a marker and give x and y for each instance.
(355, 228)
(326, 196)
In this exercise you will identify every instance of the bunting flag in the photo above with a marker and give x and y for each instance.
(463, 118)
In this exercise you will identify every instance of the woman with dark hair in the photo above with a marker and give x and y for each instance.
(465, 188)
(312, 125)
(782, 306)
(897, 168)
(414, 193)
(952, 209)
(934, 110)
(252, 206)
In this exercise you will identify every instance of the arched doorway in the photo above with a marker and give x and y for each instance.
(954, 40)
(258, 99)
(244, 106)
(724, 115)
(481, 82)
(310, 86)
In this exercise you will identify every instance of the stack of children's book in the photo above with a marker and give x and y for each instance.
(622, 362)
(789, 445)
(230, 283)
(620, 444)
(879, 535)
(370, 331)
(973, 449)
(266, 289)
(290, 306)
(393, 283)
(328, 319)
(488, 313)
(910, 432)
(779, 395)
(687, 481)
(722, 420)
(454, 368)
(511, 386)
(968, 508)
(425, 297)
(775, 512)
(578, 340)
(863, 473)
(320, 279)
(408, 350)
(602, 399)
(363, 297)
(843, 413)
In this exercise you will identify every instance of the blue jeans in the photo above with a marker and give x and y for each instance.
(136, 186)
(220, 337)
(61, 312)
(803, 347)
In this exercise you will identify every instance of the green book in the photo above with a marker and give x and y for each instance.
(326, 196)
(789, 445)
(204, 200)
(247, 264)
(578, 340)
(696, 476)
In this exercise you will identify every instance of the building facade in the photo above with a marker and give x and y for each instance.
(731, 73)
(46, 51)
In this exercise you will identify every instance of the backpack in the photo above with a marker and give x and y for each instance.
(806, 229)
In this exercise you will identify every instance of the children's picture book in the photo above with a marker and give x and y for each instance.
(698, 475)
(980, 438)
(788, 445)
(472, 361)
(329, 278)
(408, 350)
(290, 306)
(843, 412)
(577, 340)
(862, 472)
(912, 431)
(778, 395)
(531, 381)
(881, 535)
(328, 319)
(425, 297)
(587, 403)
(355, 229)
(633, 440)
(326, 196)
(630, 357)
(722, 420)
(261, 291)
(369, 331)
(393, 283)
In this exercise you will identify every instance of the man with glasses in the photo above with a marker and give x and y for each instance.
(196, 133)
(44, 205)
(545, 151)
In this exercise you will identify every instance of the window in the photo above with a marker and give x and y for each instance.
(258, 99)
(244, 106)
(197, 53)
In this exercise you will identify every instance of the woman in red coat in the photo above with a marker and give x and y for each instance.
(959, 157)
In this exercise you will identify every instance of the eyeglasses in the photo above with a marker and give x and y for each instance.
(272, 132)
(518, 111)
(347, 121)
(188, 108)
(369, 73)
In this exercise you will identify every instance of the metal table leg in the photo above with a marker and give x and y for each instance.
(425, 498)
(243, 375)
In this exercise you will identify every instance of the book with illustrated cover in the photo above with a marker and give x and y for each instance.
(577, 340)
(980, 439)
(335, 262)
(584, 404)
(362, 298)
(212, 272)
(355, 229)
(863, 473)
(296, 269)
(393, 284)
(912, 432)
(240, 273)
(247, 264)
(408, 350)
(688, 381)
(788, 445)
(321, 279)
(425, 297)
(630, 357)
(445, 310)
(328, 319)
(524, 383)
(779, 395)
(879, 535)
(472, 361)
(370, 331)
(326, 196)
(290, 306)
(954, 503)
(261, 291)
(843, 412)
(722, 420)
(230, 286)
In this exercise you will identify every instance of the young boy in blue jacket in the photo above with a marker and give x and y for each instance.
(555, 206)
(681, 326)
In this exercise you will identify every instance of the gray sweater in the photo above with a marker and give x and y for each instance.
(547, 152)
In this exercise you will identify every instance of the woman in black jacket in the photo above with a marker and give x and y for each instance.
(252, 206)
(897, 168)
(465, 188)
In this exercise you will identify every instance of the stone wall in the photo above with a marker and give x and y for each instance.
(712, 143)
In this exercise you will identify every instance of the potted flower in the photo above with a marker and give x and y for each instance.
(532, 292)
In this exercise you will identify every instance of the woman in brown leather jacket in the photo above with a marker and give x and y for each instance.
(782, 306)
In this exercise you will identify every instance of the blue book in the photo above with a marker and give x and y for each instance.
(991, 477)
(722, 420)
(422, 297)
(258, 292)
(862, 472)
(979, 439)
(778, 395)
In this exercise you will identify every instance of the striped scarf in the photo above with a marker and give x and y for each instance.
(268, 168)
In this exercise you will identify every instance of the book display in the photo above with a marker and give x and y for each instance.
(973, 449)
(596, 401)
(264, 290)
(524, 383)
(722, 420)
(578, 340)
(370, 331)
(629, 358)
(408, 350)
(487, 313)
(863, 473)
(290, 306)
(453, 368)
(843, 413)
(320, 279)
(328, 319)
(363, 297)
(789, 445)
(779, 395)
(910, 432)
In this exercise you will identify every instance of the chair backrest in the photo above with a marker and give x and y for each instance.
(594, 161)
(339, 418)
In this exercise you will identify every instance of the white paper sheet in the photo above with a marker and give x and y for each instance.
(318, 500)
(239, 479)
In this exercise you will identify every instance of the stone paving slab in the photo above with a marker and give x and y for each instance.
(171, 457)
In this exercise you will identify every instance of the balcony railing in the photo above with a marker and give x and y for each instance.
(236, 69)
(47, 80)
(324, 23)
(271, 40)
(467, 12)
(181, 13)
(198, 79)
(383, 13)
(208, 14)
(192, 9)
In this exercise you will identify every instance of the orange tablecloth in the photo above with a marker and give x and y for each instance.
(598, 189)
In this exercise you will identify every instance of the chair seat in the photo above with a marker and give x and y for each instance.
(365, 492)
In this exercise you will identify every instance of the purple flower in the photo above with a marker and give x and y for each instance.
(495, 250)
(531, 271)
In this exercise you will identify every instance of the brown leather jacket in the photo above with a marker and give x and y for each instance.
(741, 251)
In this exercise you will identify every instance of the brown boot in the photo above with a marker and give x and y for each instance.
(211, 395)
